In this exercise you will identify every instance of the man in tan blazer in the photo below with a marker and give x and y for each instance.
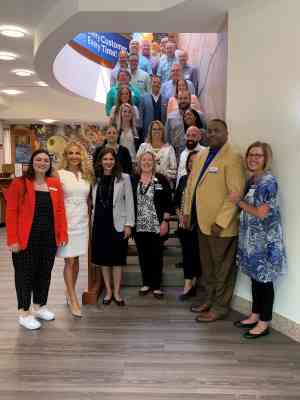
(217, 171)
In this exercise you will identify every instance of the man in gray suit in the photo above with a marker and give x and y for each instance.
(152, 106)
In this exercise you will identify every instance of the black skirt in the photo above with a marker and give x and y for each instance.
(109, 248)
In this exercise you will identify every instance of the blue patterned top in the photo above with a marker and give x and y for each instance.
(261, 253)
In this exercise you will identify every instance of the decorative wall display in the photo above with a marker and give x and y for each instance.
(102, 47)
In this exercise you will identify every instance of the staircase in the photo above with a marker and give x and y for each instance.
(172, 276)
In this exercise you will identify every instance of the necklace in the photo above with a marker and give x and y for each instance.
(143, 188)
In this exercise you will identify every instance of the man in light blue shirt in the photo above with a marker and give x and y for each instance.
(166, 62)
(168, 89)
(146, 62)
(189, 71)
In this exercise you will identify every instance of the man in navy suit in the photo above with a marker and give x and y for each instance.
(152, 106)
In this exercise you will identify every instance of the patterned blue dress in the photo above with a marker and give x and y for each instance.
(261, 253)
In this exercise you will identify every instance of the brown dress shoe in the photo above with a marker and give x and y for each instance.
(200, 308)
(207, 316)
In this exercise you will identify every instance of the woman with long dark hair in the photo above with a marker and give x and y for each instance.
(188, 237)
(112, 221)
(36, 226)
(124, 96)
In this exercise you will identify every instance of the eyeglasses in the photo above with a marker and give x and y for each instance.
(255, 155)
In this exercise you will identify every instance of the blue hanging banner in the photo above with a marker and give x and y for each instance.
(104, 45)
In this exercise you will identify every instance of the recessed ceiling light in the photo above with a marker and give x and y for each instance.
(7, 56)
(41, 83)
(23, 72)
(12, 31)
(11, 92)
(48, 121)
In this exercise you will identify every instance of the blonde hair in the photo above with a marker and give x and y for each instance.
(162, 128)
(85, 166)
(139, 159)
(268, 154)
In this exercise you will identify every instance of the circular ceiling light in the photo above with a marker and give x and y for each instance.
(41, 83)
(23, 72)
(12, 31)
(48, 121)
(7, 56)
(11, 92)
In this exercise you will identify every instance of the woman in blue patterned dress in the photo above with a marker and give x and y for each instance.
(261, 253)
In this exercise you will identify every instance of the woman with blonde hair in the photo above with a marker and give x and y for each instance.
(152, 195)
(76, 177)
(261, 253)
(166, 163)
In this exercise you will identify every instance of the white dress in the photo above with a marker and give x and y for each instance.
(76, 192)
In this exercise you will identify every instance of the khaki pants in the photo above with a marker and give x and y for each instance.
(219, 270)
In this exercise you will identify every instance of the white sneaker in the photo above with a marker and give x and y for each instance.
(44, 313)
(29, 322)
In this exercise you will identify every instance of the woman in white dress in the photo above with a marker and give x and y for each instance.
(166, 163)
(76, 177)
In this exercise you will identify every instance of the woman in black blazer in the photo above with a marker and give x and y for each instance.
(152, 197)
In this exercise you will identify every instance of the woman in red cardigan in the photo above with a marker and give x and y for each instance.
(36, 225)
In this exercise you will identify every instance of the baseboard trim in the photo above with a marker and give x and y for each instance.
(280, 323)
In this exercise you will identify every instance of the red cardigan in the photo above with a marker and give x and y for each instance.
(20, 198)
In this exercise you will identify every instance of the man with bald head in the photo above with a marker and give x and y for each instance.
(192, 138)
(217, 171)
(189, 72)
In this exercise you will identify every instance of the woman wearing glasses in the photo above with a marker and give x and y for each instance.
(261, 253)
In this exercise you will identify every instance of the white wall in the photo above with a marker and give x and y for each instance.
(263, 102)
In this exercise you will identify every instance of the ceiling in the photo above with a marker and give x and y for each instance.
(53, 23)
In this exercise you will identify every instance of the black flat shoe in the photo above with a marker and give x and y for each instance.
(158, 294)
(120, 303)
(144, 292)
(190, 293)
(107, 302)
(248, 335)
(239, 324)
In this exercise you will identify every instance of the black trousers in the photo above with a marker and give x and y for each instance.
(190, 253)
(263, 299)
(150, 251)
(33, 268)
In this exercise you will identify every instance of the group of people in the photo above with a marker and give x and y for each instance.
(171, 162)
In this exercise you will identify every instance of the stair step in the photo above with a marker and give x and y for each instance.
(172, 276)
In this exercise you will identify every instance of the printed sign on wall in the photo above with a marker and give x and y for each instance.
(104, 46)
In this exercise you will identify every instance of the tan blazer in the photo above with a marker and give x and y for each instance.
(224, 174)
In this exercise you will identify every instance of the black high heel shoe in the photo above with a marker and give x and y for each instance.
(120, 303)
(190, 293)
(106, 302)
